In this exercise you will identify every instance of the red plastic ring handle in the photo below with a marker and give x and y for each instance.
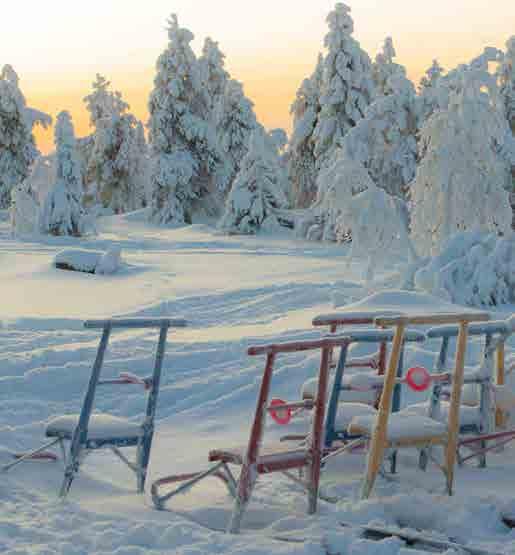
(281, 416)
(418, 378)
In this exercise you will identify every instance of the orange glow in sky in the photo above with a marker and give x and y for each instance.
(58, 46)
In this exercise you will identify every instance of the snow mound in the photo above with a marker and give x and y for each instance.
(92, 262)
(474, 268)
(407, 302)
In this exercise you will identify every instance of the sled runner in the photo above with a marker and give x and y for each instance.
(88, 431)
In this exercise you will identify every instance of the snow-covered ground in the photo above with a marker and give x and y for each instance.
(233, 291)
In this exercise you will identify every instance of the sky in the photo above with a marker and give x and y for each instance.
(57, 46)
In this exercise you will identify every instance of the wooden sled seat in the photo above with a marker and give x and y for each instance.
(272, 458)
(101, 428)
(403, 428)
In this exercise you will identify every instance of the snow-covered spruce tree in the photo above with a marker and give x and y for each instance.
(507, 84)
(62, 212)
(184, 155)
(384, 67)
(17, 146)
(114, 158)
(506, 74)
(256, 195)
(235, 121)
(463, 174)
(24, 209)
(428, 90)
(139, 173)
(102, 103)
(337, 183)
(378, 228)
(437, 89)
(347, 85)
(212, 72)
(384, 141)
(302, 170)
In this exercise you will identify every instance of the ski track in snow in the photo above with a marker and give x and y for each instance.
(234, 292)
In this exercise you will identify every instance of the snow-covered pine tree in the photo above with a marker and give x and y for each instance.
(302, 170)
(115, 155)
(337, 183)
(347, 85)
(384, 141)
(464, 172)
(256, 195)
(506, 73)
(428, 90)
(507, 81)
(116, 160)
(103, 103)
(384, 67)
(24, 209)
(235, 121)
(185, 158)
(212, 72)
(431, 76)
(378, 227)
(17, 146)
(62, 211)
(140, 166)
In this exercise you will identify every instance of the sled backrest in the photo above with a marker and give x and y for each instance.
(337, 320)
(495, 334)
(151, 384)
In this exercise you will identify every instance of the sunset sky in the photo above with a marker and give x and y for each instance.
(57, 46)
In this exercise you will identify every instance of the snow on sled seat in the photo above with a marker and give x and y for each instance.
(402, 426)
(348, 412)
(101, 427)
(309, 390)
(470, 416)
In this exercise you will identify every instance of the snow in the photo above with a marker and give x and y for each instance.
(93, 262)
(100, 426)
(234, 291)
(473, 268)
(401, 426)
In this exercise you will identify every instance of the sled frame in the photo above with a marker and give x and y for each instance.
(379, 438)
(251, 459)
(80, 443)
(495, 334)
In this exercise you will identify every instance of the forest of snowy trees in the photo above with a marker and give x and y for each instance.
(424, 170)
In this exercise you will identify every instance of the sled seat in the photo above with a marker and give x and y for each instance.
(350, 388)
(347, 412)
(272, 458)
(403, 427)
(470, 416)
(102, 428)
